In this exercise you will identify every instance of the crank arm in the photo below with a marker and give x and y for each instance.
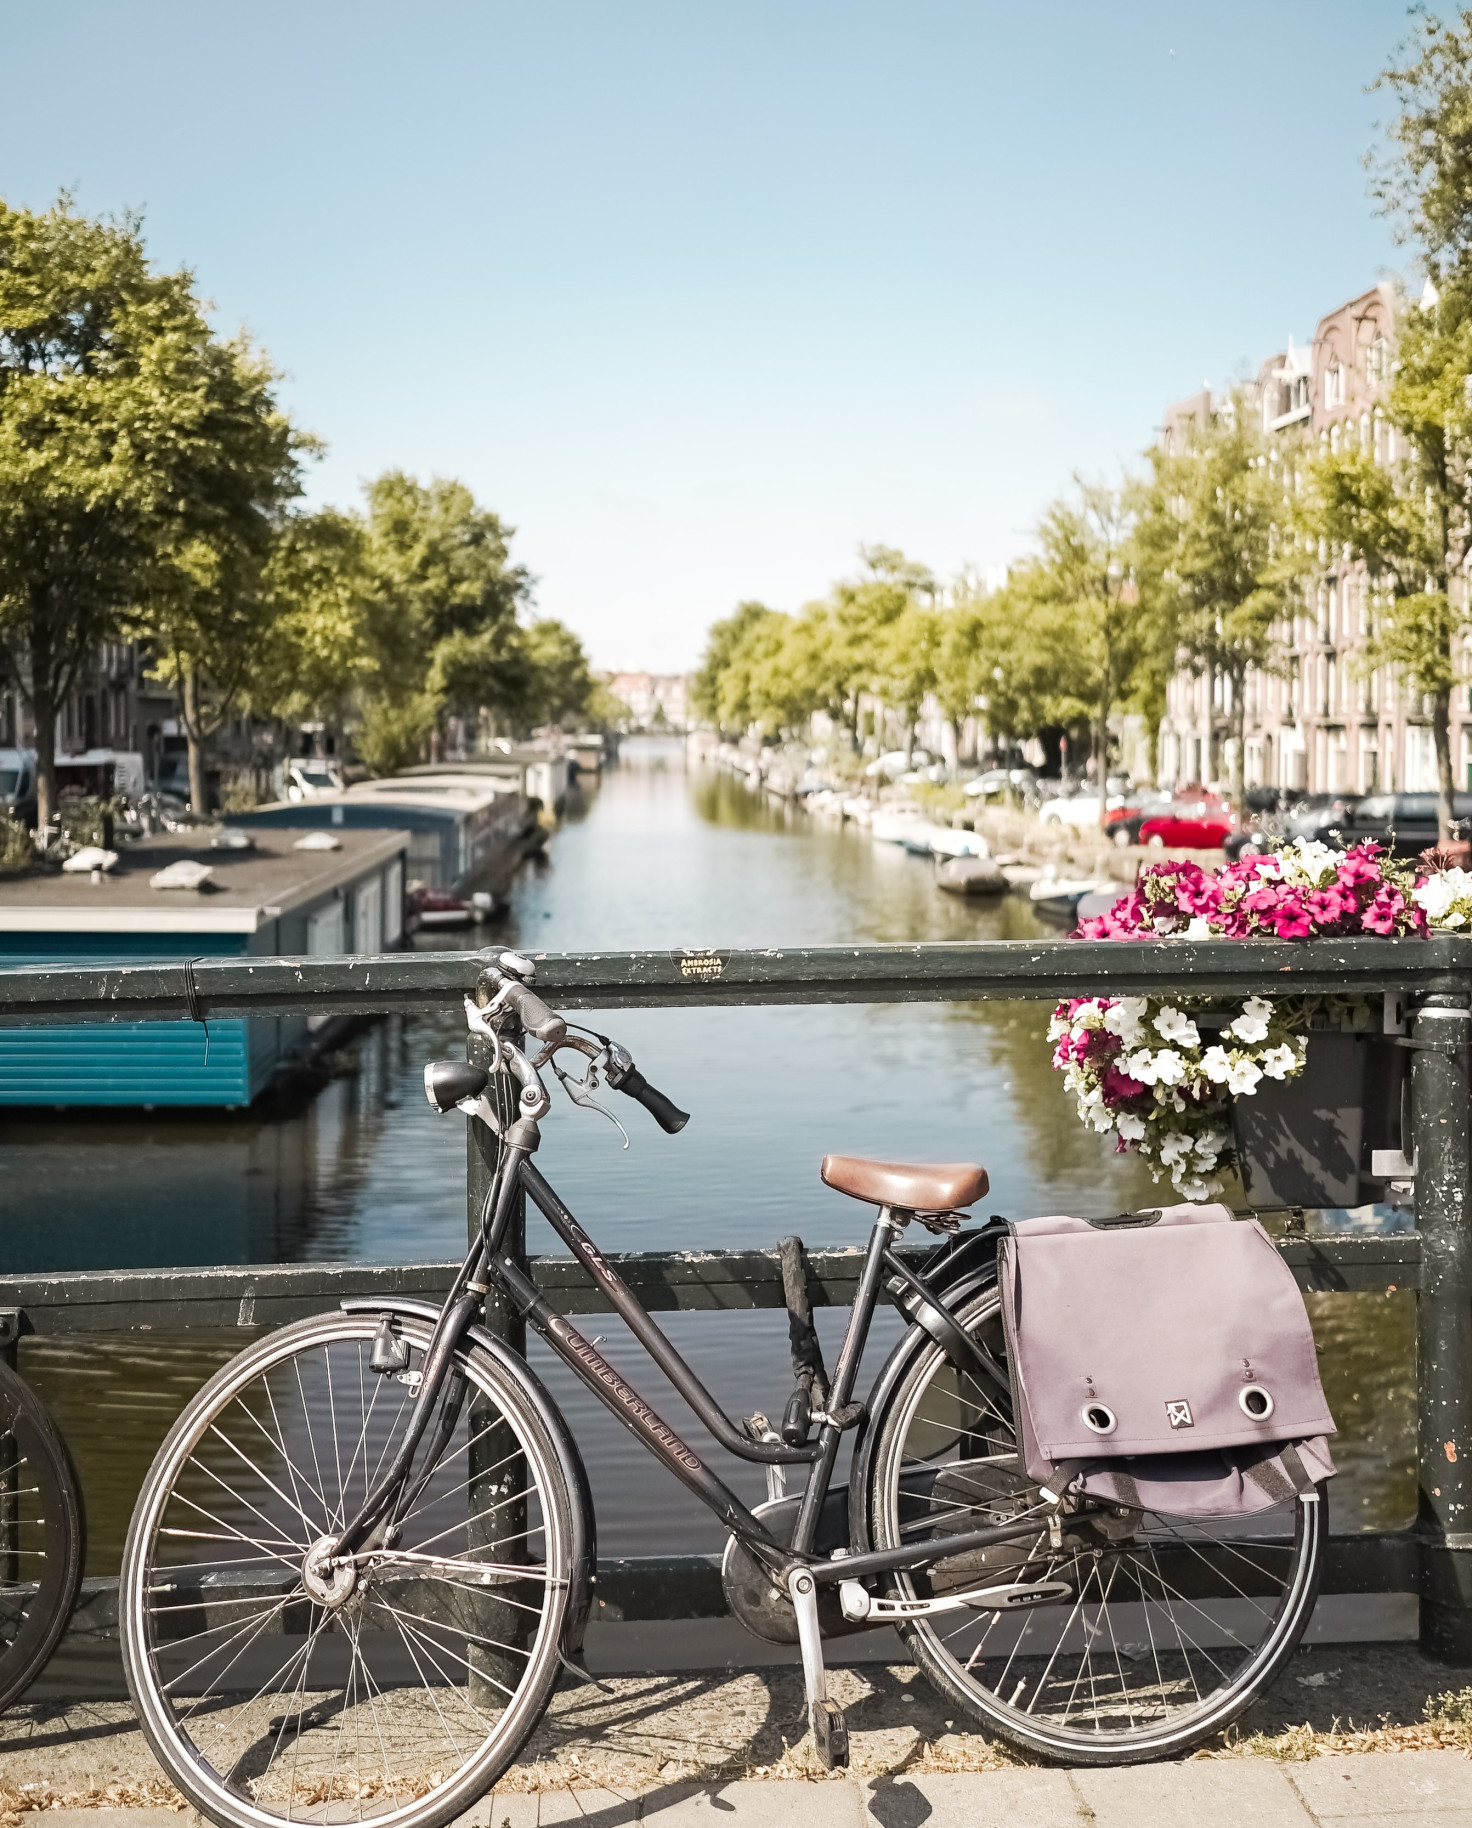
(1011, 1596)
(489, 1572)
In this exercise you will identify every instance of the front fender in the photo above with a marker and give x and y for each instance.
(584, 1530)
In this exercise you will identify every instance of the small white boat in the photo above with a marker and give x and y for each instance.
(895, 824)
(969, 876)
(861, 811)
(1056, 898)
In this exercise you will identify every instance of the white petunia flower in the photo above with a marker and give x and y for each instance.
(1243, 1079)
(1126, 1019)
(1140, 1066)
(1216, 1064)
(1198, 927)
(1252, 1024)
(1130, 1127)
(1177, 1027)
(1170, 1068)
(1278, 1062)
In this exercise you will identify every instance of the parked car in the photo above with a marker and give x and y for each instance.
(18, 784)
(1201, 822)
(1081, 809)
(1404, 822)
(996, 781)
(1124, 824)
(895, 763)
(1282, 815)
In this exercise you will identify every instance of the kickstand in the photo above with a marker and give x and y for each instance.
(825, 1717)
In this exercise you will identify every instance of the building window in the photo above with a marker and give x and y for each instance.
(1377, 360)
(1334, 384)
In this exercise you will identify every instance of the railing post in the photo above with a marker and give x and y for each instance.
(1441, 1119)
(498, 1515)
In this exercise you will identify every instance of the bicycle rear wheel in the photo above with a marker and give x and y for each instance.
(397, 1690)
(41, 1536)
(1170, 1626)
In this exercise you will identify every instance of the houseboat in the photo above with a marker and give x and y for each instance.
(271, 893)
(463, 834)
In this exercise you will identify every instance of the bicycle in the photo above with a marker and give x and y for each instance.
(42, 1535)
(366, 1552)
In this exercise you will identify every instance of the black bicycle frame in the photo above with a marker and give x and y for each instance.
(490, 1262)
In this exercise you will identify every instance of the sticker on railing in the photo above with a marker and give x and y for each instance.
(702, 963)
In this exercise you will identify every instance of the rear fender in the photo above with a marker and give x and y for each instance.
(975, 1272)
(583, 1546)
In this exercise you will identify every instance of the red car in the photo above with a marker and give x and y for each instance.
(1206, 831)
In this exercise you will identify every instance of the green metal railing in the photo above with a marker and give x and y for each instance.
(1434, 977)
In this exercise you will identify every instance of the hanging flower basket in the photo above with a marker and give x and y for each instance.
(1198, 1086)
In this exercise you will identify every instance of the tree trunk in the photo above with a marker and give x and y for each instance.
(1239, 747)
(1100, 736)
(198, 789)
(1441, 732)
(43, 710)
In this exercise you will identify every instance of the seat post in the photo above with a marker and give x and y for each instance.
(829, 1435)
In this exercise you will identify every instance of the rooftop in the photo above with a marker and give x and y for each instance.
(248, 888)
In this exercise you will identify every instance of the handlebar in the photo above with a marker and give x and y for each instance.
(625, 1077)
(509, 988)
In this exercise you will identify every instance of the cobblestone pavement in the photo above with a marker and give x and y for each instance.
(691, 1747)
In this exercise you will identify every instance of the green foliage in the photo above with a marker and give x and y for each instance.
(560, 687)
(16, 850)
(1213, 555)
(313, 655)
(1454, 1705)
(395, 734)
(1424, 183)
(120, 420)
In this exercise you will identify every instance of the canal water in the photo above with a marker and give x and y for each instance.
(653, 856)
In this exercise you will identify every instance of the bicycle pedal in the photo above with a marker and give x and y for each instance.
(830, 1735)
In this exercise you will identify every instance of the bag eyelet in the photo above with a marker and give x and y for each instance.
(1245, 1398)
(1098, 1418)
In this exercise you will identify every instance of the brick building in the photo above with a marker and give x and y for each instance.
(1319, 722)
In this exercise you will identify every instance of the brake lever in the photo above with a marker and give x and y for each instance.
(579, 1091)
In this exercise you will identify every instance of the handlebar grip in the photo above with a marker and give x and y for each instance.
(535, 1016)
(670, 1118)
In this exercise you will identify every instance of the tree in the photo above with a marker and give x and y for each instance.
(442, 622)
(722, 645)
(904, 670)
(861, 610)
(313, 657)
(1408, 520)
(561, 679)
(115, 402)
(1081, 582)
(1213, 559)
(207, 604)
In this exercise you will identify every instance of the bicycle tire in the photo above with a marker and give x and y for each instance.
(46, 1546)
(1134, 1698)
(307, 1743)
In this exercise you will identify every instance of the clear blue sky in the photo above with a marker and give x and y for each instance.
(701, 296)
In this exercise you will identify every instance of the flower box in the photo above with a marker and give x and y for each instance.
(1308, 1141)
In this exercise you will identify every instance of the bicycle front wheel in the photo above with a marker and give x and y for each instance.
(1164, 1628)
(274, 1689)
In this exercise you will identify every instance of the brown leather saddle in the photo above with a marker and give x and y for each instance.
(913, 1187)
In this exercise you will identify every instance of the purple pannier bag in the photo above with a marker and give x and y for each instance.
(1165, 1362)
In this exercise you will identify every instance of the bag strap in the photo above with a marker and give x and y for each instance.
(1296, 1470)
